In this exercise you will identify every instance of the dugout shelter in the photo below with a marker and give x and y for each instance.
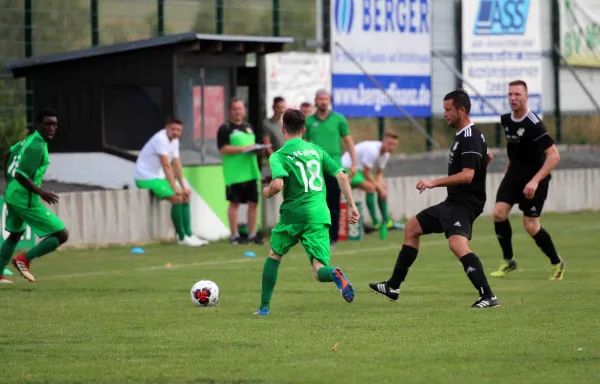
(111, 99)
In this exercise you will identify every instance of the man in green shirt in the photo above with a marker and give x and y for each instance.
(24, 198)
(236, 142)
(298, 170)
(327, 129)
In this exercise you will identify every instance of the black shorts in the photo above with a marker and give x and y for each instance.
(450, 218)
(246, 192)
(511, 192)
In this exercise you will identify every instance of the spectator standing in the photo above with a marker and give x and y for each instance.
(327, 129)
(236, 141)
(272, 128)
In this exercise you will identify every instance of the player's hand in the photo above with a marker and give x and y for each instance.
(530, 189)
(49, 197)
(424, 184)
(186, 192)
(352, 171)
(266, 192)
(354, 215)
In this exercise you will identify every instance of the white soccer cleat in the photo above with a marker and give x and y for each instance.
(5, 281)
(190, 242)
(199, 240)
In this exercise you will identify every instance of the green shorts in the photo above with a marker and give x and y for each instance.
(357, 179)
(314, 239)
(43, 222)
(160, 187)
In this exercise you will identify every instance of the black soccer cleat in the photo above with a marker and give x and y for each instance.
(256, 240)
(384, 289)
(486, 302)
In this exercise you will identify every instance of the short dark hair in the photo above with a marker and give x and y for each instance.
(234, 100)
(305, 104)
(518, 82)
(392, 134)
(293, 121)
(173, 120)
(277, 100)
(460, 99)
(43, 113)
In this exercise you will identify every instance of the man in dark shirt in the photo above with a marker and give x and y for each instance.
(532, 155)
(236, 140)
(468, 161)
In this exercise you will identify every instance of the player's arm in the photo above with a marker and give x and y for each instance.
(349, 143)
(471, 156)
(30, 161)
(490, 156)
(331, 168)
(224, 144)
(266, 142)
(178, 173)
(543, 140)
(168, 170)
(278, 174)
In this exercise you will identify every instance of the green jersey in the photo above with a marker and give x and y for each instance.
(328, 133)
(302, 166)
(12, 160)
(31, 161)
(240, 167)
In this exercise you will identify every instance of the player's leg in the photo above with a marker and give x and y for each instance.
(186, 214)
(383, 208)
(532, 210)
(233, 195)
(163, 191)
(359, 181)
(507, 195)
(251, 196)
(333, 203)
(16, 227)
(283, 237)
(425, 222)
(315, 240)
(46, 225)
(458, 226)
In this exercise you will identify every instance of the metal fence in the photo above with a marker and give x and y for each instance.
(36, 27)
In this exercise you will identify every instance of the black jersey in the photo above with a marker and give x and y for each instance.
(469, 151)
(527, 139)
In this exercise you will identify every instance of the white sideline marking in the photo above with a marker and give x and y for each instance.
(334, 253)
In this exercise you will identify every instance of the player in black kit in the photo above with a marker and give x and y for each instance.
(469, 158)
(532, 155)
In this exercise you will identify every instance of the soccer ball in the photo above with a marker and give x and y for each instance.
(205, 293)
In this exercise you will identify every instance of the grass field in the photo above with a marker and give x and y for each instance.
(109, 316)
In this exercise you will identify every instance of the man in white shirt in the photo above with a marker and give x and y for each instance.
(157, 168)
(371, 158)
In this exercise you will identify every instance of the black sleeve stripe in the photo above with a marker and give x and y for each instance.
(540, 136)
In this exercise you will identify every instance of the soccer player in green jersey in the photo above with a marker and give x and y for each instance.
(24, 199)
(298, 171)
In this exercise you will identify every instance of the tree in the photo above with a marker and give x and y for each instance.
(58, 25)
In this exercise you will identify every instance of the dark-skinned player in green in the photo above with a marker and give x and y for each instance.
(298, 172)
(24, 195)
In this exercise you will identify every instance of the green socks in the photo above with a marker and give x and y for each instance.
(269, 279)
(372, 208)
(384, 210)
(6, 252)
(187, 219)
(325, 274)
(178, 220)
(47, 245)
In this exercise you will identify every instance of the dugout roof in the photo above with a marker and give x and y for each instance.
(189, 41)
